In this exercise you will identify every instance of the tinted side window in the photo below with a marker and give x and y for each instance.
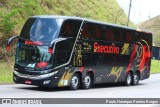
(91, 31)
(87, 31)
(63, 51)
(70, 28)
(119, 35)
(109, 34)
(128, 38)
(98, 32)
(115, 34)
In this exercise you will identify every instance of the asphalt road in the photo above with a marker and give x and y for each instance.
(149, 88)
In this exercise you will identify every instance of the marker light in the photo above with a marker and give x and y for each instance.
(50, 50)
(28, 42)
(8, 48)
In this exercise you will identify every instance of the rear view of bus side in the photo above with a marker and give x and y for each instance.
(58, 51)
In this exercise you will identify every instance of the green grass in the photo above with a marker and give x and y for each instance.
(14, 13)
(155, 67)
(6, 74)
(6, 71)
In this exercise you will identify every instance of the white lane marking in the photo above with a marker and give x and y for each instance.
(143, 106)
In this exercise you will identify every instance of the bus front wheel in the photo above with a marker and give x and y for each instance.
(87, 82)
(75, 82)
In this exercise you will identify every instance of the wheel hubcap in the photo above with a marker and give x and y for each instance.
(87, 80)
(74, 81)
(135, 79)
(129, 79)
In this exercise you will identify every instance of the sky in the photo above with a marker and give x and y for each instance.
(141, 10)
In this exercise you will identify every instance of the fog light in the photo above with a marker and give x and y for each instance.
(15, 78)
(47, 82)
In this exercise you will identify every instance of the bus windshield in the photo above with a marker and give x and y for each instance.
(41, 29)
(35, 57)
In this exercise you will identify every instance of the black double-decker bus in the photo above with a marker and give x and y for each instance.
(57, 51)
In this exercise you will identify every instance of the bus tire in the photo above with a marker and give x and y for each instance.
(87, 83)
(135, 79)
(128, 80)
(75, 82)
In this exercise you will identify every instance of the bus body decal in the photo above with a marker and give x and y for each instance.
(145, 54)
(78, 56)
(116, 71)
(125, 48)
(65, 78)
(106, 49)
(132, 57)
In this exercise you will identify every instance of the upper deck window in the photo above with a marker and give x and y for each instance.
(70, 28)
(40, 29)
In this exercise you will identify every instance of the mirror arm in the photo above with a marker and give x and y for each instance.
(9, 41)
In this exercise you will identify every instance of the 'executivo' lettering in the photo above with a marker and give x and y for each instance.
(106, 49)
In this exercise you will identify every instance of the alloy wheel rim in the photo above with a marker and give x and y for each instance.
(87, 81)
(75, 81)
(135, 78)
(128, 79)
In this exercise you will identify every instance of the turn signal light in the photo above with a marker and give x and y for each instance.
(8, 48)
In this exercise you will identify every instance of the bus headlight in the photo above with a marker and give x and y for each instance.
(46, 75)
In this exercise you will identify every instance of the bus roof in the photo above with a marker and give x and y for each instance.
(90, 20)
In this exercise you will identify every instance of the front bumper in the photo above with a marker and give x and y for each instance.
(45, 80)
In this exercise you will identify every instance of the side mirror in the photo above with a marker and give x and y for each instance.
(9, 41)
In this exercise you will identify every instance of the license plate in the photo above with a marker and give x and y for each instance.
(28, 82)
